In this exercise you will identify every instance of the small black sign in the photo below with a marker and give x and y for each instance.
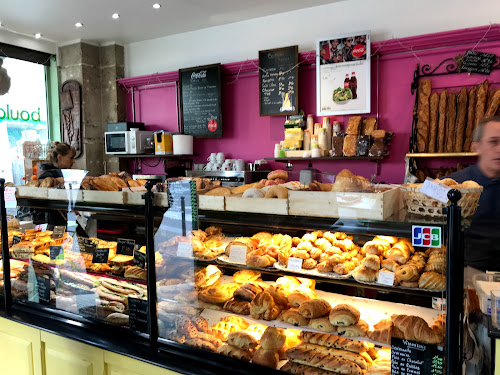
(58, 231)
(413, 358)
(200, 101)
(100, 256)
(278, 81)
(87, 245)
(56, 252)
(478, 62)
(43, 290)
(16, 240)
(138, 314)
(125, 246)
(86, 303)
(139, 259)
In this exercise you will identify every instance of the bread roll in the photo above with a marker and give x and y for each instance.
(460, 123)
(471, 118)
(424, 92)
(264, 357)
(365, 274)
(273, 338)
(344, 315)
(371, 261)
(314, 308)
(441, 134)
(451, 115)
(433, 122)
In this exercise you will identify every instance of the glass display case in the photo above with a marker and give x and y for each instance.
(297, 294)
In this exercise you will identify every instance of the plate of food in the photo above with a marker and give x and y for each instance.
(341, 95)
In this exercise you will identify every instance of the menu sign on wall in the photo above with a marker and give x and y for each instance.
(413, 358)
(278, 81)
(343, 74)
(478, 62)
(200, 101)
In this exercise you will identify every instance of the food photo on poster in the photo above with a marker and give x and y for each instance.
(343, 74)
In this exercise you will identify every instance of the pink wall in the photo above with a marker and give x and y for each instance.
(247, 135)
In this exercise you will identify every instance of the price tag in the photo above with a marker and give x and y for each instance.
(184, 250)
(43, 290)
(139, 259)
(386, 278)
(409, 357)
(10, 197)
(58, 231)
(436, 191)
(56, 252)
(42, 227)
(100, 255)
(238, 254)
(125, 246)
(295, 264)
(86, 302)
(87, 245)
(138, 314)
(16, 240)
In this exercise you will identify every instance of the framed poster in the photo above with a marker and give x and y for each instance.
(343, 74)
(278, 81)
(200, 101)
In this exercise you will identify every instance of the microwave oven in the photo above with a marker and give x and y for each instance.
(126, 142)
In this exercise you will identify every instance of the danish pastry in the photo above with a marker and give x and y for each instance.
(292, 316)
(356, 330)
(314, 308)
(344, 315)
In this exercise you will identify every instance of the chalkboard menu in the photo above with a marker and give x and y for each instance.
(139, 259)
(278, 81)
(478, 62)
(101, 255)
(138, 314)
(200, 97)
(413, 358)
(125, 246)
(43, 289)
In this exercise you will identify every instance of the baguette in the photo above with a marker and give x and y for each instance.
(118, 319)
(460, 126)
(297, 368)
(122, 287)
(494, 105)
(324, 361)
(451, 115)
(433, 121)
(424, 93)
(333, 341)
(471, 110)
(441, 134)
(482, 93)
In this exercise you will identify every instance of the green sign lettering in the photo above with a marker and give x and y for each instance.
(8, 113)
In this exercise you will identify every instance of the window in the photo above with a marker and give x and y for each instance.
(23, 118)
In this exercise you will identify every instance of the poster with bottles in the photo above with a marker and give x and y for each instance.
(343, 74)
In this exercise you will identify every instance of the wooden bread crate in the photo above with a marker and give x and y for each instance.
(64, 195)
(31, 192)
(371, 206)
(211, 202)
(257, 205)
(96, 196)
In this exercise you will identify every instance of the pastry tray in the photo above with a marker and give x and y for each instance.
(404, 288)
(314, 272)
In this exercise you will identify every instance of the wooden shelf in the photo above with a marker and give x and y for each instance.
(285, 159)
(442, 155)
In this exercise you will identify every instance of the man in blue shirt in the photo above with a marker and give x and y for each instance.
(482, 238)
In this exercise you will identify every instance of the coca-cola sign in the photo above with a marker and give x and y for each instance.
(199, 75)
(359, 50)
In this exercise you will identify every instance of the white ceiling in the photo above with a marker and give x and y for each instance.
(55, 19)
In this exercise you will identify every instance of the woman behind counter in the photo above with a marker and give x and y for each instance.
(61, 156)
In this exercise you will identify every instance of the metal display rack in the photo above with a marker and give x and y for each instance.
(185, 359)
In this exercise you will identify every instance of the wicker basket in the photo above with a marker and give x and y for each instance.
(421, 204)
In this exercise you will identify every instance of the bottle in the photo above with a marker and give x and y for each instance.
(328, 127)
(149, 146)
(353, 85)
(346, 81)
(323, 140)
(307, 140)
(310, 124)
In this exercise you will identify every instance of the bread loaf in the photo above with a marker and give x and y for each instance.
(460, 123)
(441, 134)
(333, 341)
(433, 122)
(369, 125)
(451, 116)
(424, 92)
(471, 118)
(482, 93)
(354, 125)
(350, 145)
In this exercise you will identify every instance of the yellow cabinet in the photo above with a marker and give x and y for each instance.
(119, 365)
(63, 356)
(19, 349)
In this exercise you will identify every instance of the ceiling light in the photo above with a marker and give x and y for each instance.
(115, 16)
(38, 35)
(156, 6)
(78, 24)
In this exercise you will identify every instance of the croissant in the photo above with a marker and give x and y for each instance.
(440, 323)
(280, 294)
(417, 329)
(371, 261)
(407, 272)
(376, 247)
(400, 253)
(432, 280)
(436, 263)
(314, 308)
(384, 330)
(237, 307)
(257, 258)
(261, 303)
(365, 274)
